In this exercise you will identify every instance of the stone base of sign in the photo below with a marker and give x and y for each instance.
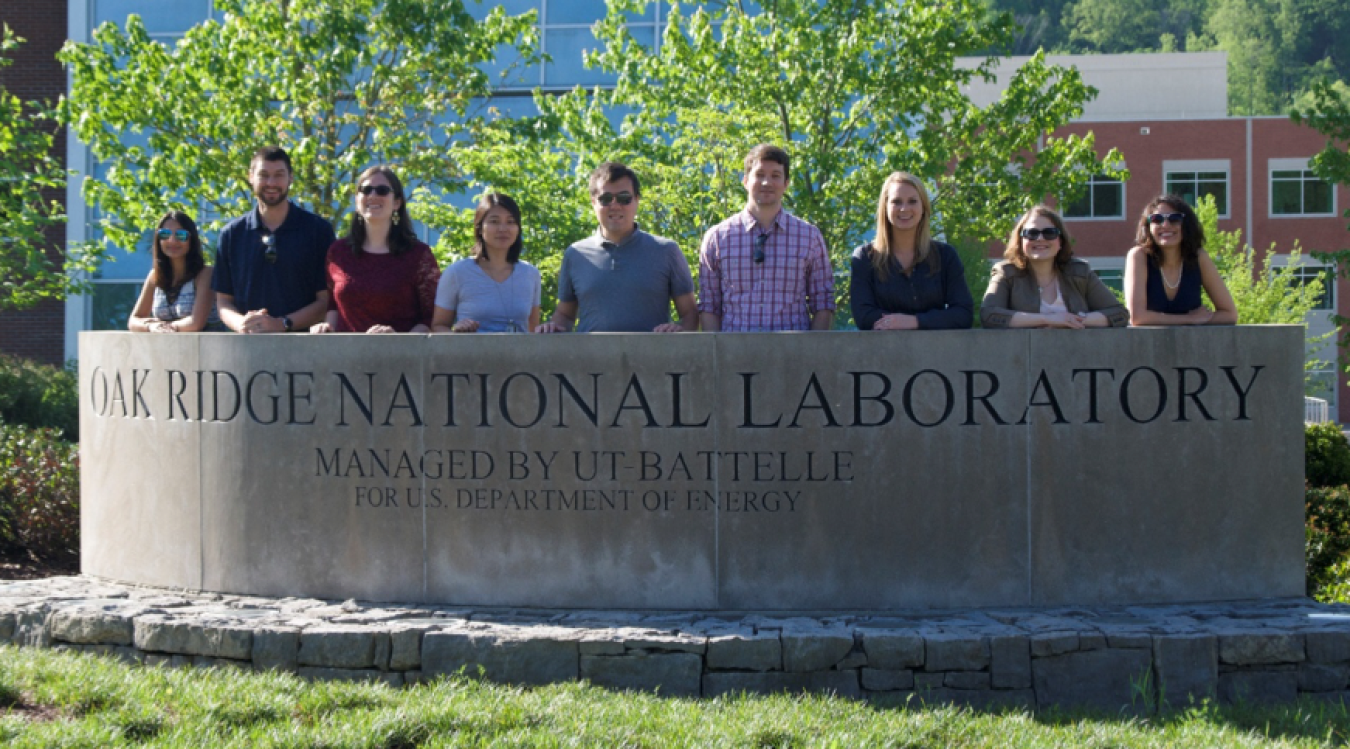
(1133, 658)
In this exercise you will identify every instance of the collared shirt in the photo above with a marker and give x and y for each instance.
(624, 287)
(793, 282)
(285, 284)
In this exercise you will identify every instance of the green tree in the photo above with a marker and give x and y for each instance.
(854, 88)
(1264, 294)
(30, 270)
(1112, 25)
(340, 85)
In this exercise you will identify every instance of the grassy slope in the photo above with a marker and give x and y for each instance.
(59, 699)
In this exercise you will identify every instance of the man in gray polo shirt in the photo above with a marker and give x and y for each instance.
(622, 278)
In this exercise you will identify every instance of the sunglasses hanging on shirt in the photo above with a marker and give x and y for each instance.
(269, 241)
(760, 240)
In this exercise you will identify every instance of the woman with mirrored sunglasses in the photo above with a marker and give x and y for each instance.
(1041, 284)
(1168, 268)
(177, 295)
(904, 279)
(381, 278)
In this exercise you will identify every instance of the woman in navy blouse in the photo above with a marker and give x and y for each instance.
(1168, 268)
(904, 279)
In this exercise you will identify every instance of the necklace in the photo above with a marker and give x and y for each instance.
(1167, 283)
(1054, 284)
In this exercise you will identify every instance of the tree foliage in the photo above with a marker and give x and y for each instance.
(30, 270)
(1277, 49)
(1264, 294)
(854, 89)
(340, 85)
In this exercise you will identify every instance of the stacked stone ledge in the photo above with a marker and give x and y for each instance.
(1135, 658)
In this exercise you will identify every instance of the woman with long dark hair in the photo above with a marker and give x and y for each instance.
(1168, 267)
(381, 278)
(1041, 284)
(177, 295)
(494, 291)
(904, 279)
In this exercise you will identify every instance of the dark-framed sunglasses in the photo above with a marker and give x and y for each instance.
(760, 241)
(1171, 218)
(269, 241)
(182, 235)
(605, 198)
(1034, 234)
(381, 190)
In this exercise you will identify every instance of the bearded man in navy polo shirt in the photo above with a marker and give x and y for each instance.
(270, 274)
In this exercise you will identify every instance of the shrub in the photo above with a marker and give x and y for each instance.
(39, 494)
(39, 396)
(1326, 455)
(1327, 529)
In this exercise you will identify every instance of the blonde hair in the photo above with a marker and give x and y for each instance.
(882, 252)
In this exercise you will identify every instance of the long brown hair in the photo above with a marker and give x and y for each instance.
(1015, 253)
(882, 253)
(1192, 233)
(401, 236)
(196, 259)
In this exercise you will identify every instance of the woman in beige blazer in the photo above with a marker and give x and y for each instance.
(1042, 285)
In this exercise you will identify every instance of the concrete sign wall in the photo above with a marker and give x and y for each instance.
(789, 471)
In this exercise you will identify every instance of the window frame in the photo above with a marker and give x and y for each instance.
(1195, 167)
(1094, 181)
(1299, 165)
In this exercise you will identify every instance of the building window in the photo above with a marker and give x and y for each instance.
(1104, 198)
(1114, 278)
(1192, 185)
(1306, 273)
(1296, 191)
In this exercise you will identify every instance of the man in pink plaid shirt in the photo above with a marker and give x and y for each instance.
(765, 269)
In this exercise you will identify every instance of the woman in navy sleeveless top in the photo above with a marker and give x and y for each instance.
(1168, 268)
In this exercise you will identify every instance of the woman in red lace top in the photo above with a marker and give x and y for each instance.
(381, 279)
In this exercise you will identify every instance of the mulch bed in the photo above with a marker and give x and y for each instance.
(20, 566)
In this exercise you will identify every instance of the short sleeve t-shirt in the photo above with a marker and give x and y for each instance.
(468, 291)
(623, 288)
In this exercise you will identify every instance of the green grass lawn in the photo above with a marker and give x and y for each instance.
(50, 699)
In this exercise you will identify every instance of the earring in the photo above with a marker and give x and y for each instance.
(395, 218)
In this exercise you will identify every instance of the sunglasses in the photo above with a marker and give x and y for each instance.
(1171, 218)
(605, 198)
(1034, 234)
(381, 190)
(760, 241)
(269, 241)
(181, 235)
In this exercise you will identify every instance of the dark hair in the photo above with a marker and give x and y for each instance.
(490, 201)
(1015, 253)
(196, 260)
(767, 152)
(401, 236)
(271, 153)
(611, 171)
(1192, 233)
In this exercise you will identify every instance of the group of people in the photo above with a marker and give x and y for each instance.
(281, 268)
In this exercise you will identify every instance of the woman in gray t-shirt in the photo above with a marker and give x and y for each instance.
(494, 291)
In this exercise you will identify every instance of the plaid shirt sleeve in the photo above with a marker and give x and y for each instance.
(709, 276)
(820, 276)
